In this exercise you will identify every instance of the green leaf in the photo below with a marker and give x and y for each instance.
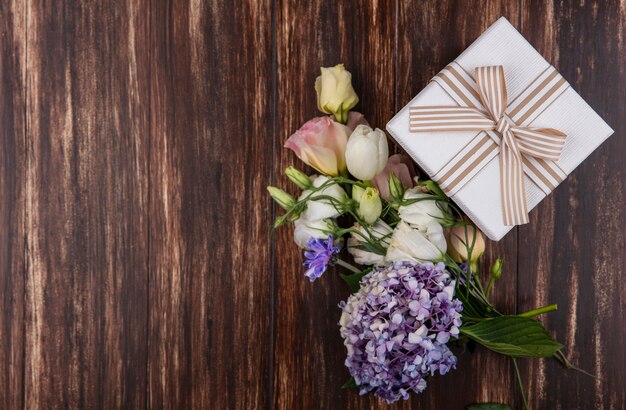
(513, 336)
(354, 280)
(350, 384)
(488, 406)
(376, 248)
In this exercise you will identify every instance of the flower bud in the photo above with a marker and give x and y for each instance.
(367, 152)
(458, 248)
(396, 189)
(370, 206)
(496, 268)
(281, 197)
(299, 178)
(357, 193)
(335, 94)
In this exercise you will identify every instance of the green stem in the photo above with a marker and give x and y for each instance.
(347, 265)
(492, 280)
(539, 311)
(519, 383)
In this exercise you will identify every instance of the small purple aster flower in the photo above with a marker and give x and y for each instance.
(319, 256)
(396, 327)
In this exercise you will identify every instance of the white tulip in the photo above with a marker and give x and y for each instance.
(416, 245)
(305, 229)
(420, 213)
(380, 231)
(367, 152)
(323, 208)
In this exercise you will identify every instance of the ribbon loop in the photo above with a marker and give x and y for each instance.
(517, 145)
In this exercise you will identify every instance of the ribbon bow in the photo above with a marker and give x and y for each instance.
(517, 143)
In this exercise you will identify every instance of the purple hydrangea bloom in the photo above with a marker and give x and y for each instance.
(319, 255)
(396, 328)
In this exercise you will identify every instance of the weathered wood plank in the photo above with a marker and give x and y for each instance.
(430, 35)
(210, 159)
(573, 251)
(308, 350)
(12, 181)
(86, 200)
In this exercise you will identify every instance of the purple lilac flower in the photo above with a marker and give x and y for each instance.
(319, 255)
(396, 327)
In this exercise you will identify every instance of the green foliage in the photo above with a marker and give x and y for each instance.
(350, 384)
(354, 280)
(513, 336)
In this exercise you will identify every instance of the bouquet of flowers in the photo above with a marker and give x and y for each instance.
(417, 288)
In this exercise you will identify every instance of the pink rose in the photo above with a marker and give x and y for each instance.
(321, 143)
(402, 166)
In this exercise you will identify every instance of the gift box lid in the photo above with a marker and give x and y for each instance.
(479, 195)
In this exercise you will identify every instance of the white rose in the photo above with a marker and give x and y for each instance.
(420, 245)
(323, 208)
(367, 152)
(305, 229)
(380, 230)
(420, 213)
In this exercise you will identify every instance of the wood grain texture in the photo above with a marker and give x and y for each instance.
(86, 202)
(12, 177)
(137, 264)
(210, 159)
(308, 351)
(572, 252)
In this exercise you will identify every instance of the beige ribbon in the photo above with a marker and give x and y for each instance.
(522, 149)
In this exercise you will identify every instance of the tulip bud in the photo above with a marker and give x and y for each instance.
(281, 197)
(458, 248)
(367, 152)
(299, 178)
(335, 94)
(496, 268)
(370, 205)
(396, 189)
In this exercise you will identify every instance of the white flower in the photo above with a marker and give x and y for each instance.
(305, 229)
(367, 152)
(323, 208)
(420, 213)
(380, 230)
(420, 245)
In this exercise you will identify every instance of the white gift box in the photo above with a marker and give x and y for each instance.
(476, 188)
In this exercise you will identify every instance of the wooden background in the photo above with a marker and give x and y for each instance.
(137, 268)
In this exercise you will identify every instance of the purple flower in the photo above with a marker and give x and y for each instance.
(319, 256)
(396, 327)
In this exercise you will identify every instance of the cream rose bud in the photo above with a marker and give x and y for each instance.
(335, 94)
(457, 244)
(420, 245)
(367, 152)
(420, 213)
(380, 231)
(323, 208)
(370, 205)
(305, 229)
